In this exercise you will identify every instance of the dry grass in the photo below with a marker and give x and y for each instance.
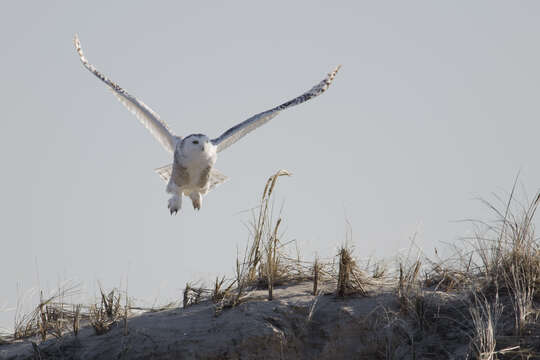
(485, 316)
(522, 290)
(193, 295)
(108, 312)
(486, 294)
(52, 316)
(272, 260)
(350, 280)
(263, 263)
(503, 266)
(510, 258)
(408, 284)
(220, 291)
(263, 226)
(316, 275)
(5, 338)
(55, 316)
(76, 319)
(490, 266)
(508, 246)
(441, 277)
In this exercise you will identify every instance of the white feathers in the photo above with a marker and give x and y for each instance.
(145, 114)
(237, 132)
(192, 173)
(216, 177)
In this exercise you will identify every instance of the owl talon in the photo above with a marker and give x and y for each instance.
(175, 202)
(196, 200)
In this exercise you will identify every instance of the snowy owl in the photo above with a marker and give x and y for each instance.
(192, 172)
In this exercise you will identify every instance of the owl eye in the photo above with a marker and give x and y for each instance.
(195, 141)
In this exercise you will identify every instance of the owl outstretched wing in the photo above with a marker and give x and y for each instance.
(145, 114)
(237, 132)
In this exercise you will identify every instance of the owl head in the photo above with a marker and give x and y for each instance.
(196, 143)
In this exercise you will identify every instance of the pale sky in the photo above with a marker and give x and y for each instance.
(436, 104)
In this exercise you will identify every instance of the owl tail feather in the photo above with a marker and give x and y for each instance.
(216, 177)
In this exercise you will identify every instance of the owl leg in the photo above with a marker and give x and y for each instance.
(175, 202)
(196, 199)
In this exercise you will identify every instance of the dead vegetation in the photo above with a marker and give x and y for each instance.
(52, 316)
(193, 295)
(350, 279)
(5, 338)
(267, 262)
(481, 303)
(108, 312)
(55, 316)
(496, 279)
(485, 317)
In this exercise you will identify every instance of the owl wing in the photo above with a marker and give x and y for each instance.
(237, 132)
(145, 114)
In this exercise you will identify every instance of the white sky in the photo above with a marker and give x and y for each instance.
(436, 104)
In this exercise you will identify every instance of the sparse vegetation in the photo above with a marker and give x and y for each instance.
(194, 295)
(50, 317)
(481, 303)
(485, 316)
(105, 314)
(316, 272)
(350, 280)
(5, 338)
(76, 319)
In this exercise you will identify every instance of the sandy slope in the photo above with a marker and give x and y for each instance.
(257, 329)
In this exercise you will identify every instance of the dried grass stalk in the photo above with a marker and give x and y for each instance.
(262, 224)
(272, 260)
(408, 284)
(107, 313)
(50, 317)
(76, 319)
(316, 274)
(350, 280)
(485, 317)
(194, 295)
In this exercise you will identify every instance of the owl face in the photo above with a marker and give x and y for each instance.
(196, 143)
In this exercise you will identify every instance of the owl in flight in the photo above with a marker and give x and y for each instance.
(192, 172)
